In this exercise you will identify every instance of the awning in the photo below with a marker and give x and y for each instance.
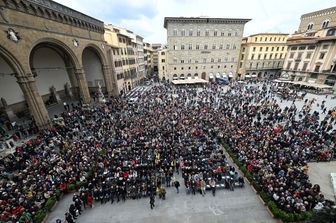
(247, 75)
(217, 75)
(253, 75)
(211, 75)
(190, 81)
(224, 75)
(230, 75)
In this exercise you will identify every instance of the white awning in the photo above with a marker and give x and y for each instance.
(217, 75)
(230, 75)
(253, 75)
(224, 75)
(247, 75)
(211, 75)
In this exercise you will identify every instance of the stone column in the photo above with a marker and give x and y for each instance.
(84, 93)
(108, 79)
(34, 100)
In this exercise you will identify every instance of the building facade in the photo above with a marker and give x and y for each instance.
(203, 47)
(311, 53)
(155, 57)
(141, 59)
(262, 55)
(49, 53)
(148, 59)
(162, 64)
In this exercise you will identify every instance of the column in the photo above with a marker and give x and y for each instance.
(34, 100)
(84, 93)
(108, 79)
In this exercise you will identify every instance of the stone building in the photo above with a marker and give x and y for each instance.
(203, 47)
(141, 58)
(162, 64)
(155, 57)
(50, 53)
(148, 58)
(311, 53)
(125, 56)
(262, 55)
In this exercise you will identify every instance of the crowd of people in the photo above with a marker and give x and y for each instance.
(132, 149)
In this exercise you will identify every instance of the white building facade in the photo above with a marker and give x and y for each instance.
(203, 47)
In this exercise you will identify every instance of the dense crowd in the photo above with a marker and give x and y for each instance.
(128, 150)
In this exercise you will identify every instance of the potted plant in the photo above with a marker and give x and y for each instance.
(40, 216)
(71, 187)
(50, 204)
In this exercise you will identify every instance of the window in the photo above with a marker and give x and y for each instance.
(189, 68)
(196, 61)
(243, 49)
(204, 60)
(175, 32)
(182, 61)
(212, 60)
(197, 46)
(271, 55)
(325, 47)
(322, 54)
(175, 47)
(266, 48)
(265, 56)
(270, 38)
(259, 56)
(283, 48)
(162, 53)
(218, 66)
(190, 46)
(240, 64)
(308, 56)
(260, 49)
(190, 32)
(252, 56)
(234, 47)
(189, 61)
(260, 39)
(198, 33)
(291, 55)
(222, 34)
(296, 65)
(272, 48)
(242, 57)
(280, 57)
(229, 34)
(183, 32)
(214, 47)
(163, 60)
(310, 26)
(162, 67)
(289, 64)
(254, 49)
(299, 55)
(215, 33)
(221, 46)
(304, 68)
(250, 65)
(225, 59)
(182, 47)
(265, 39)
(325, 24)
(311, 47)
(175, 61)
(174, 68)
(275, 56)
(302, 47)
(219, 60)
(207, 33)
(313, 76)
(256, 39)
(206, 46)
(317, 68)
(227, 46)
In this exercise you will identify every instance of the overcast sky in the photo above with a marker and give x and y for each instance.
(145, 17)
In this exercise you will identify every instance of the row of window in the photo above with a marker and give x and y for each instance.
(123, 51)
(308, 55)
(311, 47)
(265, 56)
(269, 39)
(304, 67)
(324, 25)
(205, 33)
(267, 48)
(204, 67)
(120, 63)
(205, 60)
(205, 47)
(269, 64)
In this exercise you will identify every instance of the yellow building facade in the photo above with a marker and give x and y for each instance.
(262, 55)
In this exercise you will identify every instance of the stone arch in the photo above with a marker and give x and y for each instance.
(10, 59)
(99, 69)
(54, 64)
(196, 75)
(203, 76)
(259, 74)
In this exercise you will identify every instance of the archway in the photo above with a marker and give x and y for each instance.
(204, 76)
(196, 75)
(93, 62)
(259, 74)
(189, 76)
(12, 103)
(53, 68)
(175, 77)
(182, 76)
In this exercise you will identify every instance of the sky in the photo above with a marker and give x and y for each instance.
(145, 17)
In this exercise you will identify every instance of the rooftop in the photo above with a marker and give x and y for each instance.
(204, 20)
